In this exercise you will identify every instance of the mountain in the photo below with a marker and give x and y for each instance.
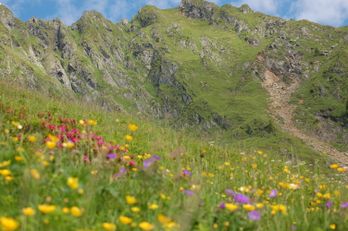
(198, 65)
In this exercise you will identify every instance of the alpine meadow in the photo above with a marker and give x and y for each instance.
(199, 117)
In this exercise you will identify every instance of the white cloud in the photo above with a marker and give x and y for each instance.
(266, 6)
(330, 12)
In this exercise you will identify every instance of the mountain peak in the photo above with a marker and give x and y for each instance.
(198, 8)
(92, 13)
(245, 8)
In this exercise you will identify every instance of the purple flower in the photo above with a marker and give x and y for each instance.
(121, 172)
(241, 198)
(112, 156)
(230, 192)
(189, 192)
(273, 193)
(186, 173)
(329, 204)
(148, 162)
(254, 215)
(344, 205)
(222, 205)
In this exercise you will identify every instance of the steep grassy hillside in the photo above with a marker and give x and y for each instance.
(65, 167)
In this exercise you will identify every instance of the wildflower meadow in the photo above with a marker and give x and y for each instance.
(71, 170)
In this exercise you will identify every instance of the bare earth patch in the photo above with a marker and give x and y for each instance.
(282, 112)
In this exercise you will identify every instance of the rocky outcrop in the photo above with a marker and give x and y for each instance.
(147, 16)
(245, 9)
(201, 9)
(198, 9)
(7, 18)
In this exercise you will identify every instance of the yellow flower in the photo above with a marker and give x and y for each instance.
(32, 139)
(8, 224)
(166, 221)
(76, 212)
(17, 125)
(35, 174)
(73, 183)
(28, 212)
(286, 169)
(46, 209)
(109, 226)
(131, 200)
(332, 226)
(294, 186)
(51, 144)
(5, 172)
(128, 138)
(146, 226)
(19, 158)
(135, 209)
(91, 122)
(153, 206)
(341, 170)
(66, 210)
(249, 207)
(126, 158)
(125, 220)
(327, 196)
(259, 205)
(334, 166)
(231, 207)
(279, 208)
(68, 145)
(132, 127)
(5, 164)
(8, 178)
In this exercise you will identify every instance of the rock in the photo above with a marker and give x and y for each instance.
(144, 52)
(245, 9)
(147, 16)
(198, 9)
(174, 30)
(7, 18)
(252, 41)
(238, 25)
(125, 22)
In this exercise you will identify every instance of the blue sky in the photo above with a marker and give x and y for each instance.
(328, 12)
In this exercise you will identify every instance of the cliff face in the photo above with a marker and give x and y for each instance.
(198, 64)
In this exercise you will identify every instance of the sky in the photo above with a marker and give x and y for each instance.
(327, 12)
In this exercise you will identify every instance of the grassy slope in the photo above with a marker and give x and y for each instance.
(326, 91)
(213, 169)
(230, 91)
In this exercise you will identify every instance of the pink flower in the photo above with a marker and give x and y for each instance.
(273, 193)
(254, 215)
(148, 162)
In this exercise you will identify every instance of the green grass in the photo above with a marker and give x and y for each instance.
(101, 198)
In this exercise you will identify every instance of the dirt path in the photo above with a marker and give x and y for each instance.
(282, 111)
